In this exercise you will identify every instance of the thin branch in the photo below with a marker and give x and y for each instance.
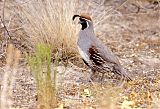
(5, 27)
(2, 19)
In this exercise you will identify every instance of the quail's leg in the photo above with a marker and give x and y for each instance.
(94, 76)
(102, 77)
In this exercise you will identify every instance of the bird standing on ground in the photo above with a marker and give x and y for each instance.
(94, 53)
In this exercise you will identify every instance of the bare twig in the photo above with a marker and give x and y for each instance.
(2, 19)
(4, 26)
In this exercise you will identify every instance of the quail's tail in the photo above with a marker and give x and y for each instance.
(123, 72)
(127, 78)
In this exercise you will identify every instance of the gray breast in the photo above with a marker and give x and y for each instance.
(85, 39)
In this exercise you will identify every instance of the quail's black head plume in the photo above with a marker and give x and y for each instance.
(75, 17)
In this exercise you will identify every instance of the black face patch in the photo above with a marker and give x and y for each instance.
(83, 23)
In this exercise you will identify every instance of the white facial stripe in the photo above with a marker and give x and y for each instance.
(85, 19)
(87, 24)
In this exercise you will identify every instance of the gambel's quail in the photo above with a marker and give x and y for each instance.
(94, 53)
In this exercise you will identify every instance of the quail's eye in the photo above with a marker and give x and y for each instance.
(80, 18)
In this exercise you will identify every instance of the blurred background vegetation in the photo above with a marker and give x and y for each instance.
(47, 68)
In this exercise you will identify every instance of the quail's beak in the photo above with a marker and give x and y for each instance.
(80, 21)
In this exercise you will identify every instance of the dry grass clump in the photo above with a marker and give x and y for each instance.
(50, 22)
(12, 61)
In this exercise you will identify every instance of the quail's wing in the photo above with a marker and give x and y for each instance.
(97, 57)
(102, 56)
(107, 54)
